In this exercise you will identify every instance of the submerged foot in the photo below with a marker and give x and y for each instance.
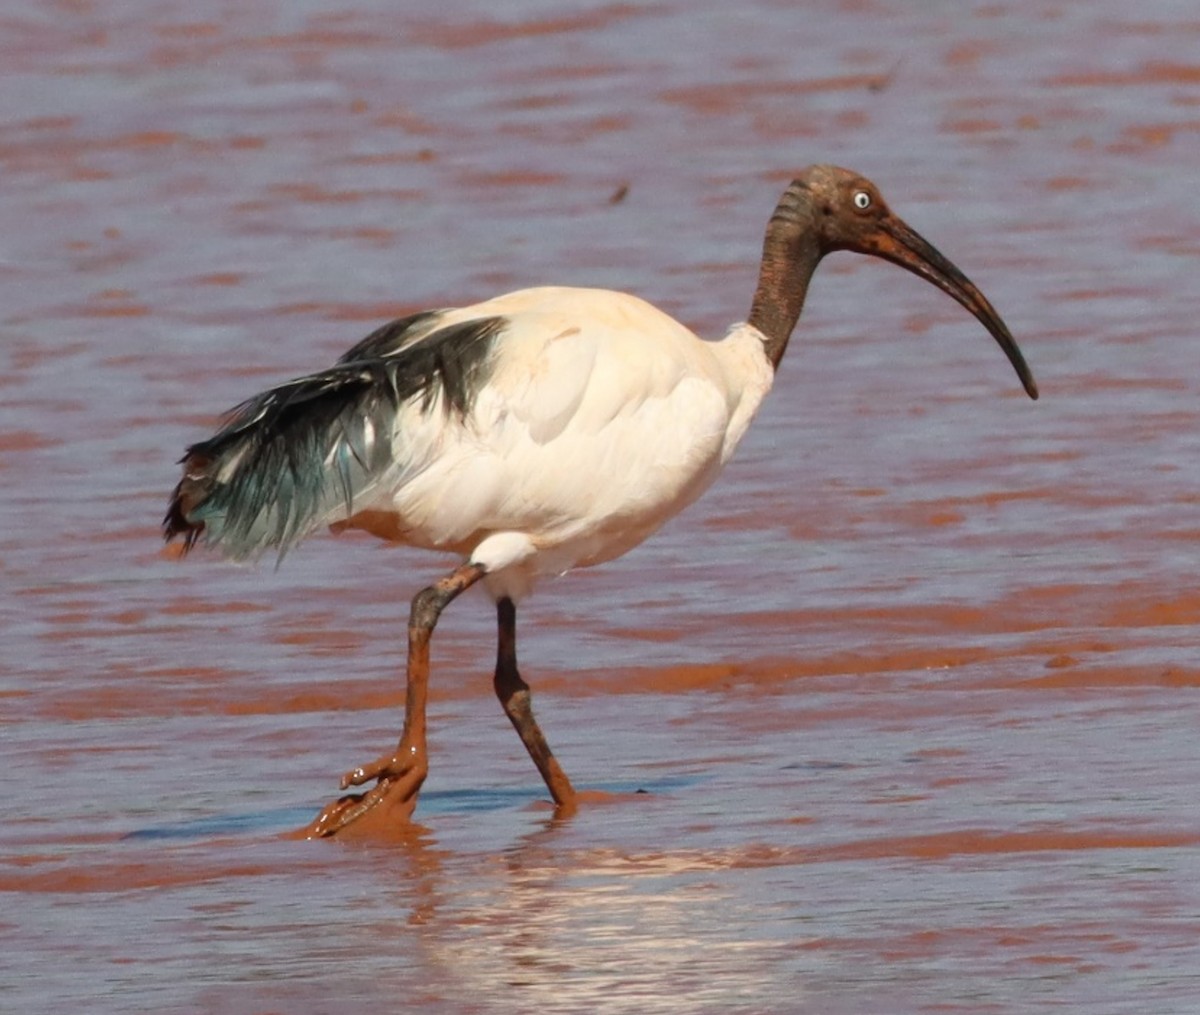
(381, 810)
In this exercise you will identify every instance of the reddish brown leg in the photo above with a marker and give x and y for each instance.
(514, 695)
(399, 775)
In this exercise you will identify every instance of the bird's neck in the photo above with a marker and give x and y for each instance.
(790, 256)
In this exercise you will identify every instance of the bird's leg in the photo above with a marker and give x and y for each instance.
(399, 775)
(514, 695)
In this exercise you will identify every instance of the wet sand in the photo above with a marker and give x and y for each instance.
(911, 694)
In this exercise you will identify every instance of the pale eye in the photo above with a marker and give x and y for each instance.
(862, 200)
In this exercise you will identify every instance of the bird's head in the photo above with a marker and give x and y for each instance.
(845, 211)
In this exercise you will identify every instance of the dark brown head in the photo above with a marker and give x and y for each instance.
(827, 208)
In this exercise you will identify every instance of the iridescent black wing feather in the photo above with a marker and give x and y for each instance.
(301, 453)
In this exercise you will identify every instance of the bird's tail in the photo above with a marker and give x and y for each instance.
(285, 462)
(300, 455)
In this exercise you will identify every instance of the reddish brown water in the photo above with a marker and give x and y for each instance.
(914, 691)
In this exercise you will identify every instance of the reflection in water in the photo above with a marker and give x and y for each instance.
(538, 927)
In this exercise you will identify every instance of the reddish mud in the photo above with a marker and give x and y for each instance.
(912, 693)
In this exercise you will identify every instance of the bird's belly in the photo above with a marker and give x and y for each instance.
(608, 536)
(576, 514)
(388, 524)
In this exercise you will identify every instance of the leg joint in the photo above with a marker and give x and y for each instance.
(427, 606)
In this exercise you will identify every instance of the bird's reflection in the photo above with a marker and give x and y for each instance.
(569, 922)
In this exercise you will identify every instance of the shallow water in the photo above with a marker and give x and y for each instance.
(912, 692)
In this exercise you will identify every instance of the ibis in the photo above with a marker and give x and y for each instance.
(543, 430)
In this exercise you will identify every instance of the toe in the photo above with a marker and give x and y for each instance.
(406, 761)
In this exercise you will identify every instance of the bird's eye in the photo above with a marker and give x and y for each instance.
(862, 200)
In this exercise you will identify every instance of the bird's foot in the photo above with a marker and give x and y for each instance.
(383, 808)
(408, 762)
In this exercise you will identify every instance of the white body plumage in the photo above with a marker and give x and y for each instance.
(600, 418)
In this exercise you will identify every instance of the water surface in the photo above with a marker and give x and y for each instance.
(912, 692)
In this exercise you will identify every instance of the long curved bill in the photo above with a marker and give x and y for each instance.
(899, 243)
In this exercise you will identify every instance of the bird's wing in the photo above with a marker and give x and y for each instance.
(389, 339)
(547, 411)
(598, 409)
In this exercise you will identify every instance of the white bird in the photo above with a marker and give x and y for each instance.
(540, 431)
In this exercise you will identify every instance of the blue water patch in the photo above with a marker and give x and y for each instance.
(255, 822)
(452, 801)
